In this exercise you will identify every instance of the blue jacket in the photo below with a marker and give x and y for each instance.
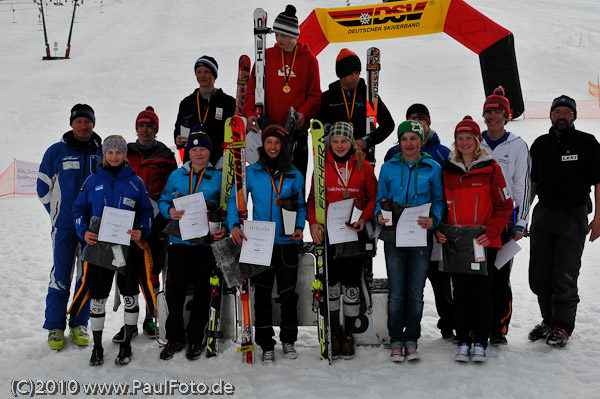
(123, 191)
(263, 199)
(433, 147)
(412, 185)
(179, 183)
(63, 170)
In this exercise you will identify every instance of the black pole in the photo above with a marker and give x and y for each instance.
(71, 30)
(48, 55)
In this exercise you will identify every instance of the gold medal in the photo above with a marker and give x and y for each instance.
(346, 194)
(286, 89)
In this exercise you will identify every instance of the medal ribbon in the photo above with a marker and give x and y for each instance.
(287, 77)
(346, 182)
(351, 112)
(192, 179)
(277, 191)
(203, 119)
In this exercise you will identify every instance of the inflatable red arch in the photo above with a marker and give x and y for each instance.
(493, 43)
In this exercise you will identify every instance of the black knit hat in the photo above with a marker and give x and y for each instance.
(82, 110)
(209, 62)
(418, 111)
(346, 62)
(286, 23)
(564, 101)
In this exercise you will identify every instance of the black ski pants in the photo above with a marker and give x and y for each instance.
(557, 241)
(473, 303)
(188, 264)
(285, 268)
(501, 295)
(441, 283)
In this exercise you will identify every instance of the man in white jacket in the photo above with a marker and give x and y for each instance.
(512, 154)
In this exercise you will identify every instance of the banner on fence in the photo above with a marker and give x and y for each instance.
(19, 178)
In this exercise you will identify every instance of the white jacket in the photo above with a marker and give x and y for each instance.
(513, 158)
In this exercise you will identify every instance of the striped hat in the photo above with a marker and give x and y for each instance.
(497, 101)
(208, 62)
(342, 129)
(468, 125)
(286, 23)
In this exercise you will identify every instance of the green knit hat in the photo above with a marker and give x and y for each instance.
(411, 127)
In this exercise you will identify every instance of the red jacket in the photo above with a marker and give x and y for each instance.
(153, 170)
(362, 186)
(478, 197)
(304, 82)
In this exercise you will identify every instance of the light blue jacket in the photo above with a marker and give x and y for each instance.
(412, 184)
(179, 183)
(263, 199)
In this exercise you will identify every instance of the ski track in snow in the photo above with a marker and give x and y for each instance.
(138, 53)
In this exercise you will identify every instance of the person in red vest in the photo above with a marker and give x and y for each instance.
(153, 162)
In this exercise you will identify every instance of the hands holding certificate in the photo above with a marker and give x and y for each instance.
(316, 230)
(177, 215)
(238, 237)
(92, 238)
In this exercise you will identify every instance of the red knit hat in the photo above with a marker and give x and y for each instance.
(497, 101)
(346, 62)
(148, 116)
(275, 130)
(468, 125)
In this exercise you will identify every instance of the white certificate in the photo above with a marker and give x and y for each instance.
(338, 213)
(508, 251)
(408, 232)
(194, 222)
(114, 225)
(258, 248)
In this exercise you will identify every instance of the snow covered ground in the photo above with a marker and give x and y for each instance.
(128, 54)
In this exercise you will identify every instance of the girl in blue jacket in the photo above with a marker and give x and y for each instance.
(411, 178)
(270, 180)
(189, 262)
(113, 185)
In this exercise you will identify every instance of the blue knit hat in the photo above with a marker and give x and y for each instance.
(198, 139)
(209, 62)
(82, 110)
(564, 101)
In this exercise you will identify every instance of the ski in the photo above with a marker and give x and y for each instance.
(260, 47)
(373, 67)
(228, 176)
(213, 330)
(161, 318)
(321, 297)
(293, 131)
(238, 129)
(242, 82)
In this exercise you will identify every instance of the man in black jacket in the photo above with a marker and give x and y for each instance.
(346, 100)
(565, 163)
(206, 106)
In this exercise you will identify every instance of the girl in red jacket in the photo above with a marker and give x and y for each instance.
(347, 176)
(477, 196)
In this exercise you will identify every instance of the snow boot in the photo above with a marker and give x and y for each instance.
(336, 344)
(348, 347)
(170, 349)
(80, 336)
(540, 331)
(56, 339)
(97, 358)
(557, 337)
(124, 356)
(194, 351)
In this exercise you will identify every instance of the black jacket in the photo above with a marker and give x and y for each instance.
(333, 110)
(221, 106)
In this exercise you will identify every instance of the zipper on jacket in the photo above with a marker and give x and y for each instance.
(476, 205)
(408, 184)
(454, 211)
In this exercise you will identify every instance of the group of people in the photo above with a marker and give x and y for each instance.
(479, 193)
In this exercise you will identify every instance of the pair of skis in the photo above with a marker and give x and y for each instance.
(234, 170)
